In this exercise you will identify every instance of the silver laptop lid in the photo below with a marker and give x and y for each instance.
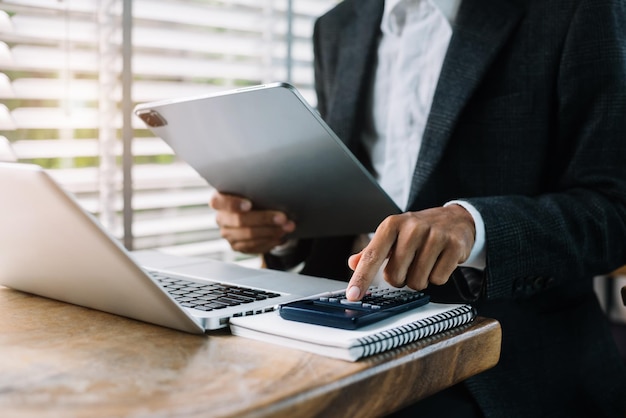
(50, 247)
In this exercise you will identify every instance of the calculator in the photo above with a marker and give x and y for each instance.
(335, 310)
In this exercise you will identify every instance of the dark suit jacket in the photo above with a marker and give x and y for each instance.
(529, 125)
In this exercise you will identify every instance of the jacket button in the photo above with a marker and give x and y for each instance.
(539, 283)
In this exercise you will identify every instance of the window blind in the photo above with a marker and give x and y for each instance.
(60, 92)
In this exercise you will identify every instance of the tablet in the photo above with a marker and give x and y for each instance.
(267, 144)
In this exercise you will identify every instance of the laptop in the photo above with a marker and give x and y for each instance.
(266, 143)
(50, 246)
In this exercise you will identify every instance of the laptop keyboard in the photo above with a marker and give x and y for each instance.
(209, 296)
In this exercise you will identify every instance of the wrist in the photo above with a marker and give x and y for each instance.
(478, 256)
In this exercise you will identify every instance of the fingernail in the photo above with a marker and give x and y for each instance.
(245, 205)
(279, 219)
(353, 293)
(289, 227)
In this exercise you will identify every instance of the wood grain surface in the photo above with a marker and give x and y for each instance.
(61, 360)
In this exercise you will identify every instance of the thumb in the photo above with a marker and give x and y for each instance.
(231, 203)
(353, 260)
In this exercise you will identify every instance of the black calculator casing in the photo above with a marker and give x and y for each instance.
(339, 316)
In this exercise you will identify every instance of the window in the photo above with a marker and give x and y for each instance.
(64, 102)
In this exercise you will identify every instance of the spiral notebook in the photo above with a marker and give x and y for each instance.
(352, 345)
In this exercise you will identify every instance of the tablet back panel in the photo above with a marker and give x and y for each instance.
(267, 144)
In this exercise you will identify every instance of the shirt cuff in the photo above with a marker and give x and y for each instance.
(478, 255)
(284, 249)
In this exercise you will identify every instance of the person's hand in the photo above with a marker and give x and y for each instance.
(422, 247)
(247, 230)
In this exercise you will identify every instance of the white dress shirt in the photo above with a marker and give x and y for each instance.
(415, 39)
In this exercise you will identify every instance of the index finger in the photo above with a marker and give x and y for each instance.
(229, 202)
(369, 262)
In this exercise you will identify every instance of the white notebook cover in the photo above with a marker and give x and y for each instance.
(352, 345)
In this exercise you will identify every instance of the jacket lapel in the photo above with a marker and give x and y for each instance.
(357, 51)
(480, 31)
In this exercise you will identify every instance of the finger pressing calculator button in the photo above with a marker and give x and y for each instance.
(350, 302)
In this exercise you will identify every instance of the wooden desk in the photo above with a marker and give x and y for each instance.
(62, 360)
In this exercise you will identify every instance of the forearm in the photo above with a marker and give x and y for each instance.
(561, 237)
